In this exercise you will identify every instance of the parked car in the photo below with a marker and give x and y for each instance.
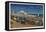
(21, 19)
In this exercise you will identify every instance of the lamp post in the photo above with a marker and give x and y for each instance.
(38, 12)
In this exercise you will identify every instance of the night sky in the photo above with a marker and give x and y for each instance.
(27, 8)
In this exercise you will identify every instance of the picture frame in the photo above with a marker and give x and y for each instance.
(24, 15)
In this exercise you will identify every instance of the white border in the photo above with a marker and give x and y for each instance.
(24, 27)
